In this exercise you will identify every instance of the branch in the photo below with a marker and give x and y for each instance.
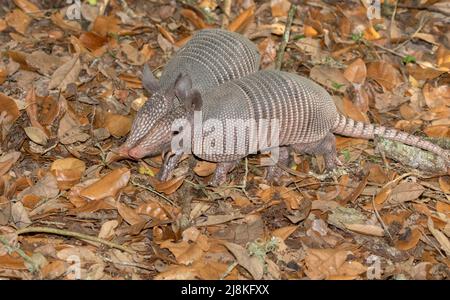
(286, 34)
(73, 234)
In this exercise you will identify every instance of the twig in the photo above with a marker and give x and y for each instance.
(419, 28)
(72, 234)
(380, 219)
(154, 192)
(33, 267)
(226, 13)
(425, 7)
(286, 34)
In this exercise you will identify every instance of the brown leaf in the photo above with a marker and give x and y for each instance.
(92, 41)
(366, 229)
(37, 135)
(107, 229)
(436, 96)
(284, 232)
(329, 77)
(444, 183)
(108, 186)
(194, 19)
(20, 215)
(328, 263)
(18, 20)
(204, 168)
(9, 112)
(410, 241)
(251, 263)
(104, 25)
(54, 269)
(280, 8)
(117, 125)
(29, 8)
(128, 214)
(185, 253)
(440, 237)
(356, 72)
(68, 171)
(241, 21)
(167, 187)
(59, 21)
(65, 74)
(385, 74)
(406, 191)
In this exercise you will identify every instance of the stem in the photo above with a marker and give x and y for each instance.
(73, 234)
(286, 34)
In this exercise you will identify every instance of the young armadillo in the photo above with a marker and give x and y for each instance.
(305, 113)
(210, 58)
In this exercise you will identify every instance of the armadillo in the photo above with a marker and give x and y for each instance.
(210, 58)
(306, 115)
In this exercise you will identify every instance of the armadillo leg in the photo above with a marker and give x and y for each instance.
(274, 172)
(169, 164)
(325, 147)
(220, 175)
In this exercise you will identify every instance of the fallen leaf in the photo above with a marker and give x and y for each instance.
(366, 229)
(29, 8)
(8, 160)
(280, 8)
(117, 125)
(251, 263)
(108, 186)
(284, 232)
(204, 168)
(436, 96)
(241, 21)
(65, 74)
(409, 241)
(107, 229)
(167, 187)
(356, 72)
(193, 18)
(406, 191)
(36, 135)
(385, 74)
(18, 20)
(128, 214)
(440, 237)
(68, 171)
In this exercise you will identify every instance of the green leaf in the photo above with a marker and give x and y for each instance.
(92, 2)
(409, 59)
(346, 154)
(337, 85)
(298, 37)
(357, 36)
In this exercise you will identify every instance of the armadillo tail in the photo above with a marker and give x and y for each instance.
(348, 127)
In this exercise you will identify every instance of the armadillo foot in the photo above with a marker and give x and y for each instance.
(274, 173)
(326, 147)
(220, 175)
(169, 164)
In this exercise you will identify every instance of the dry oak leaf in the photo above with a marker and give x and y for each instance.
(385, 74)
(107, 229)
(129, 214)
(7, 160)
(29, 8)
(243, 19)
(356, 72)
(406, 191)
(117, 125)
(65, 74)
(59, 21)
(436, 96)
(185, 253)
(108, 186)
(279, 8)
(9, 112)
(251, 263)
(18, 20)
(331, 263)
(68, 171)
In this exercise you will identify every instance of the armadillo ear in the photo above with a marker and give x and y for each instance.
(149, 81)
(196, 100)
(183, 86)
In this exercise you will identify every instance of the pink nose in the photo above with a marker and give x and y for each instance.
(135, 153)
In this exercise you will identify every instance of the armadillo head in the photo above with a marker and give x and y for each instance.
(154, 108)
(161, 136)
